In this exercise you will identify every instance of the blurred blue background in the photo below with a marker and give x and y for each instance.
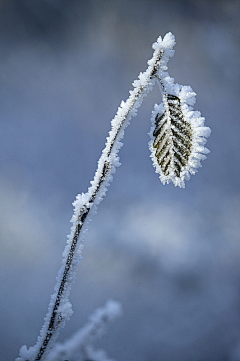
(171, 256)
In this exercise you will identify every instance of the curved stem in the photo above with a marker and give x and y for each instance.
(106, 165)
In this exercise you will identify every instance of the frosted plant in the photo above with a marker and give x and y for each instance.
(78, 347)
(178, 136)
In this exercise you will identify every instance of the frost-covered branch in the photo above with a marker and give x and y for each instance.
(177, 144)
(78, 347)
(85, 204)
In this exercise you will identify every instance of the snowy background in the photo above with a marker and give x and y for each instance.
(171, 256)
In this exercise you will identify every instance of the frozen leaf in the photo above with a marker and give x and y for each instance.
(177, 136)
